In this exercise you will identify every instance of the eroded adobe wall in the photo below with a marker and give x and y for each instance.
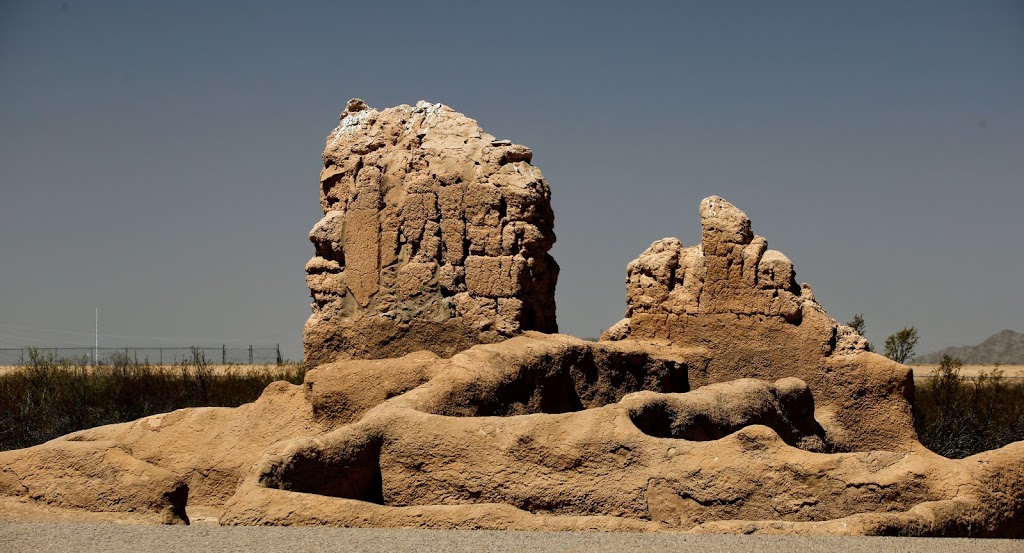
(740, 303)
(435, 236)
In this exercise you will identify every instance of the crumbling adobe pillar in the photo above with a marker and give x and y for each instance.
(435, 236)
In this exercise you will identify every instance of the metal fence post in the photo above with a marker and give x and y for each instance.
(250, 354)
(223, 354)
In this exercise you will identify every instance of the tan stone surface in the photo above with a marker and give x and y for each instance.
(97, 476)
(421, 205)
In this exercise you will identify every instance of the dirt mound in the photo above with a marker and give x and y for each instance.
(726, 401)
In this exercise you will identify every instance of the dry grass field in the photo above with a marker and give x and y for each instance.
(920, 371)
(47, 398)
(229, 369)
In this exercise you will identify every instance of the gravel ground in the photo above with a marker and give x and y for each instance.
(145, 538)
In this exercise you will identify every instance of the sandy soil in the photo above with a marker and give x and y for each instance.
(1009, 371)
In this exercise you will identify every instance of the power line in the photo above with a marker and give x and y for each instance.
(84, 333)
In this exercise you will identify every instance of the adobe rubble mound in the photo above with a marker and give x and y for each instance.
(434, 236)
(740, 302)
(726, 401)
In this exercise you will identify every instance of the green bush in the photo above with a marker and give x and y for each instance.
(957, 416)
(52, 397)
(900, 346)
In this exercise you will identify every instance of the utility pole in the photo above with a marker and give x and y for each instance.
(96, 344)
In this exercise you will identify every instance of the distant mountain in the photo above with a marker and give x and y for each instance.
(1006, 348)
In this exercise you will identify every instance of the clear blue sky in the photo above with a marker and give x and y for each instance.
(159, 160)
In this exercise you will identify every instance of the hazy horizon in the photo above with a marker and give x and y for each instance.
(160, 162)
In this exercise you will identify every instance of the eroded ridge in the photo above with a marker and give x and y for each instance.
(434, 236)
(741, 456)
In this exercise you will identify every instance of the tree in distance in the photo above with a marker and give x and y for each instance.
(858, 324)
(900, 346)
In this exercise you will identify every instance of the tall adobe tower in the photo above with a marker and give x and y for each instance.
(435, 236)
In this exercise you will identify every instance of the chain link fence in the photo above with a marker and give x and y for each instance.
(224, 355)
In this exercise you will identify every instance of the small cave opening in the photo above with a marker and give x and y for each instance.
(350, 472)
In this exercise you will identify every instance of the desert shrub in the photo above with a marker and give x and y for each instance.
(957, 416)
(900, 346)
(51, 397)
